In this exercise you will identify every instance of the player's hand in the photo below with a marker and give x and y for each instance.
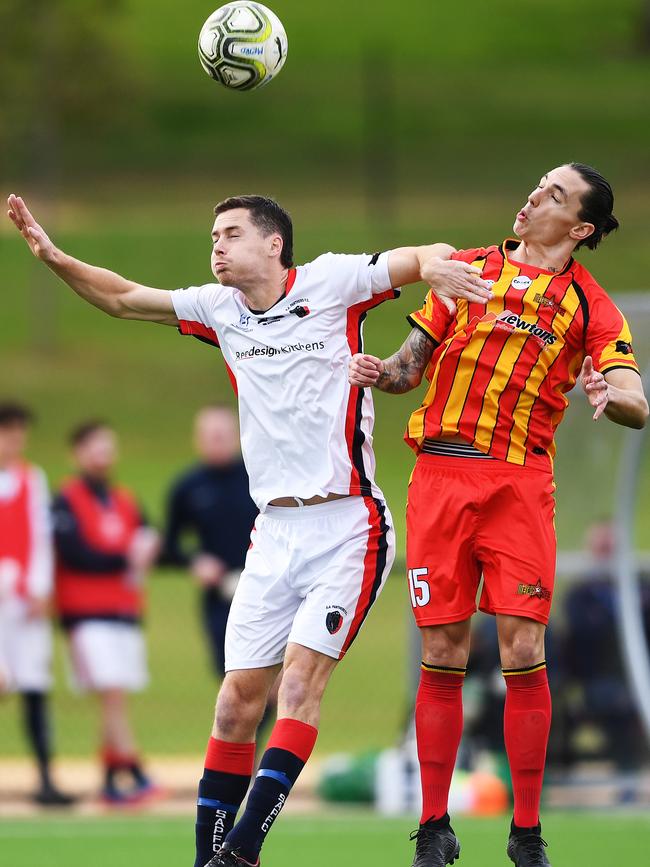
(451, 279)
(594, 386)
(208, 570)
(39, 242)
(364, 370)
(144, 550)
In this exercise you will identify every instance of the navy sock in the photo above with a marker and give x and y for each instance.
(289, 748)
(222, 789)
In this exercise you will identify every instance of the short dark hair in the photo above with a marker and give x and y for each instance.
(12, 413)
(597, 205)
(81, 432)
(268, 216)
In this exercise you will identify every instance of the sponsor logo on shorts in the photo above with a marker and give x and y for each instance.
(536, 590)
(334, 619)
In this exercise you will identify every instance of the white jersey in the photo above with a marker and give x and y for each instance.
(305, 431)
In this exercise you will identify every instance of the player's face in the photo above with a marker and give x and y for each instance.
(550, 215)
(240, 251)
(216, 437)
(97, 454)
(13, 441)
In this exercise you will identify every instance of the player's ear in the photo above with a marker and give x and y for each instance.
(580, 232)
(276, 245)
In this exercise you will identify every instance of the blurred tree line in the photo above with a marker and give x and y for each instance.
(110, 86)
(64, 78)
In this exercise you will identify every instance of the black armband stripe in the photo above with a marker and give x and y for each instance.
(415, 324)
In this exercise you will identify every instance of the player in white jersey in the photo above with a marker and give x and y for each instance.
(323, 544)
(26, 582)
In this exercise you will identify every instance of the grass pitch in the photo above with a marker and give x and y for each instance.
(349, 841)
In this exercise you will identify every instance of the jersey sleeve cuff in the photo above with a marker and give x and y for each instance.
(426, 329)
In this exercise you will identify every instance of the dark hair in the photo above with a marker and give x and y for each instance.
(597, 205)
(268, 216)
(15, 414)
(86, 429)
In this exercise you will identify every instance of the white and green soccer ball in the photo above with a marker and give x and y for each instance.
(243, 45)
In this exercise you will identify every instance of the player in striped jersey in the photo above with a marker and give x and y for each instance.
(322, 546)
(481, 498)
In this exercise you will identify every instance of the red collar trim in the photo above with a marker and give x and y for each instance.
(291, 279)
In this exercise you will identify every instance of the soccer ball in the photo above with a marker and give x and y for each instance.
(243, 45)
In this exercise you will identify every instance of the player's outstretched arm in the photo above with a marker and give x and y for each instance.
(449, 278)
(398, 374)
(102, 288)
(618, 394)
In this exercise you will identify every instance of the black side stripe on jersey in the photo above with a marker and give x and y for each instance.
(382, 551)
(359, 437)
(584, 304)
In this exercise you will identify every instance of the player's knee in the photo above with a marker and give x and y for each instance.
(238, 711)
(523, 650)
(446, 645)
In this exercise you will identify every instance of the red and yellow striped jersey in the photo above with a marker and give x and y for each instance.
(499, 376)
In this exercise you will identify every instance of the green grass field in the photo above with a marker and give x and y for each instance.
(576, 840)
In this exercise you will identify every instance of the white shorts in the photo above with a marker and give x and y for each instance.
(25, 648)
(108, 655)
(311, 576)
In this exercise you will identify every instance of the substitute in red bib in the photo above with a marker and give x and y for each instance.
(103, 552)
(25, 590)
(322, 546)
(481, 499)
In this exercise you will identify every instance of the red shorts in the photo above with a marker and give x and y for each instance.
(468, 517)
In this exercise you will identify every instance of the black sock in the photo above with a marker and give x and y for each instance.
(37, 728)
(279, 769)
(220, 797)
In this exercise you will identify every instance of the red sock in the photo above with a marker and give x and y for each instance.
(438, 727)
(230, 758)
(526, 725)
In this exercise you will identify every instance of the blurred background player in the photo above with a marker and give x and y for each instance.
(25, 590)
(602, 719)
(103, 552)
(212, 502)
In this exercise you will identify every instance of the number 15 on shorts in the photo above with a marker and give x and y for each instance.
(419, 587)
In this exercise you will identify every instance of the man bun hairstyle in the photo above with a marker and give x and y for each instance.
(268, 216)
(597, 205)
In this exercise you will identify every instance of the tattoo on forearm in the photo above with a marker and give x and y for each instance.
(403, 371)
